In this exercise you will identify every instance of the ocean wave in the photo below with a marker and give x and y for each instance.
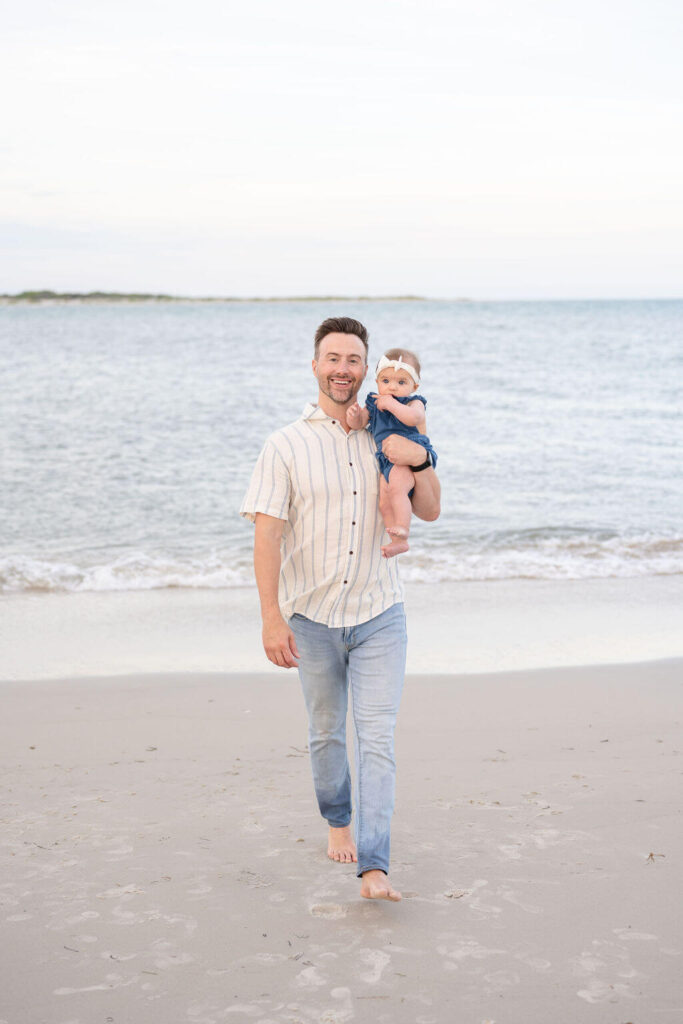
(129, 572)
(547, 553)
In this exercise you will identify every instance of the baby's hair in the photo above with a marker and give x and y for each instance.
(406, 355)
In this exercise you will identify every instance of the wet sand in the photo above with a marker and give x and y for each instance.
(163, 859)
(489, 626)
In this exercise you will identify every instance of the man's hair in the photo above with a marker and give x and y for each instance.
(406, 355)
(341, 325)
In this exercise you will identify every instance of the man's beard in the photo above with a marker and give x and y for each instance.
(329, 389)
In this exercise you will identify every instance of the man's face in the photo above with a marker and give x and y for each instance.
(340, 367)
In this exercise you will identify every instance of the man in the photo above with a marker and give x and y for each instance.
(330, 602)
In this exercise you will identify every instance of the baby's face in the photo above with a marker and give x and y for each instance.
(395, 382)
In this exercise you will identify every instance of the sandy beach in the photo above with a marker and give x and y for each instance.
(163, 859)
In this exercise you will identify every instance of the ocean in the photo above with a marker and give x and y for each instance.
(128, 433)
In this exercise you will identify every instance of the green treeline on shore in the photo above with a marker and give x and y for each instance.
(49, 296)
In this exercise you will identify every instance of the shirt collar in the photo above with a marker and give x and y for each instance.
(314, 412)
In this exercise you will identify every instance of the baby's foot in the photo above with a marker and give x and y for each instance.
(397, 547)
(399, 541)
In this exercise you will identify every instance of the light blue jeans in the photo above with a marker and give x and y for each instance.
(369, 659)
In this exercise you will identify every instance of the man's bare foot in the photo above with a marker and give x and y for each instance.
(397, 547)
(340, 845)
(375, 885)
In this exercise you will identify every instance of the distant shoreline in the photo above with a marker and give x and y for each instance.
(34, 297)
(46, 297)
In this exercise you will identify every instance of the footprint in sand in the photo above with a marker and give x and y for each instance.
(343, 1011)
(626, 933)
(602, 991)
(376, 960)
(310, 977)
(331, 910)
(511, 897)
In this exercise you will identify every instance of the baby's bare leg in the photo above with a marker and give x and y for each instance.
(385, 507)
(401, 482)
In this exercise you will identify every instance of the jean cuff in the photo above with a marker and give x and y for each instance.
(370, 867)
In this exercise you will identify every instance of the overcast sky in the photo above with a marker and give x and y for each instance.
(482, 148)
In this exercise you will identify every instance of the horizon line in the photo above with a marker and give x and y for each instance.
(35, 296)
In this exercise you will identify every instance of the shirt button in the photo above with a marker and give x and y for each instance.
(334, 421)
(350, 463)
(355, 492)
(350, 552)
(346, 581)
(353, 523)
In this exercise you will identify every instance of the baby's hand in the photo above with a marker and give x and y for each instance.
(384, 402)
(353, 416)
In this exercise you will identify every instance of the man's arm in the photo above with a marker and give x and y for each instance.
(427, 495)
(426, 498)
(278, 640)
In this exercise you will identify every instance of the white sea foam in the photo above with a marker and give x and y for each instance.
(533, 554)
(552, 554)
(131, 572)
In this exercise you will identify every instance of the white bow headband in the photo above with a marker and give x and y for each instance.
(398, 364)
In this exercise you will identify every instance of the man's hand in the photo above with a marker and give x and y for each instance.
(403, 452)
(353, 416)
(279, 643)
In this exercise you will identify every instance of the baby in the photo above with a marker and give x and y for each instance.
(395, 410)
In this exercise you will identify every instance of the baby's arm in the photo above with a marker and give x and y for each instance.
(356, 417)
(413, 415)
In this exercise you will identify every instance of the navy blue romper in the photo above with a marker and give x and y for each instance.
(383, 423)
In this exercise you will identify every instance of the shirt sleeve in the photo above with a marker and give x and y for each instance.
(270, 486)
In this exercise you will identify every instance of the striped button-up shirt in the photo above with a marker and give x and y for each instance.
(324, 483)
